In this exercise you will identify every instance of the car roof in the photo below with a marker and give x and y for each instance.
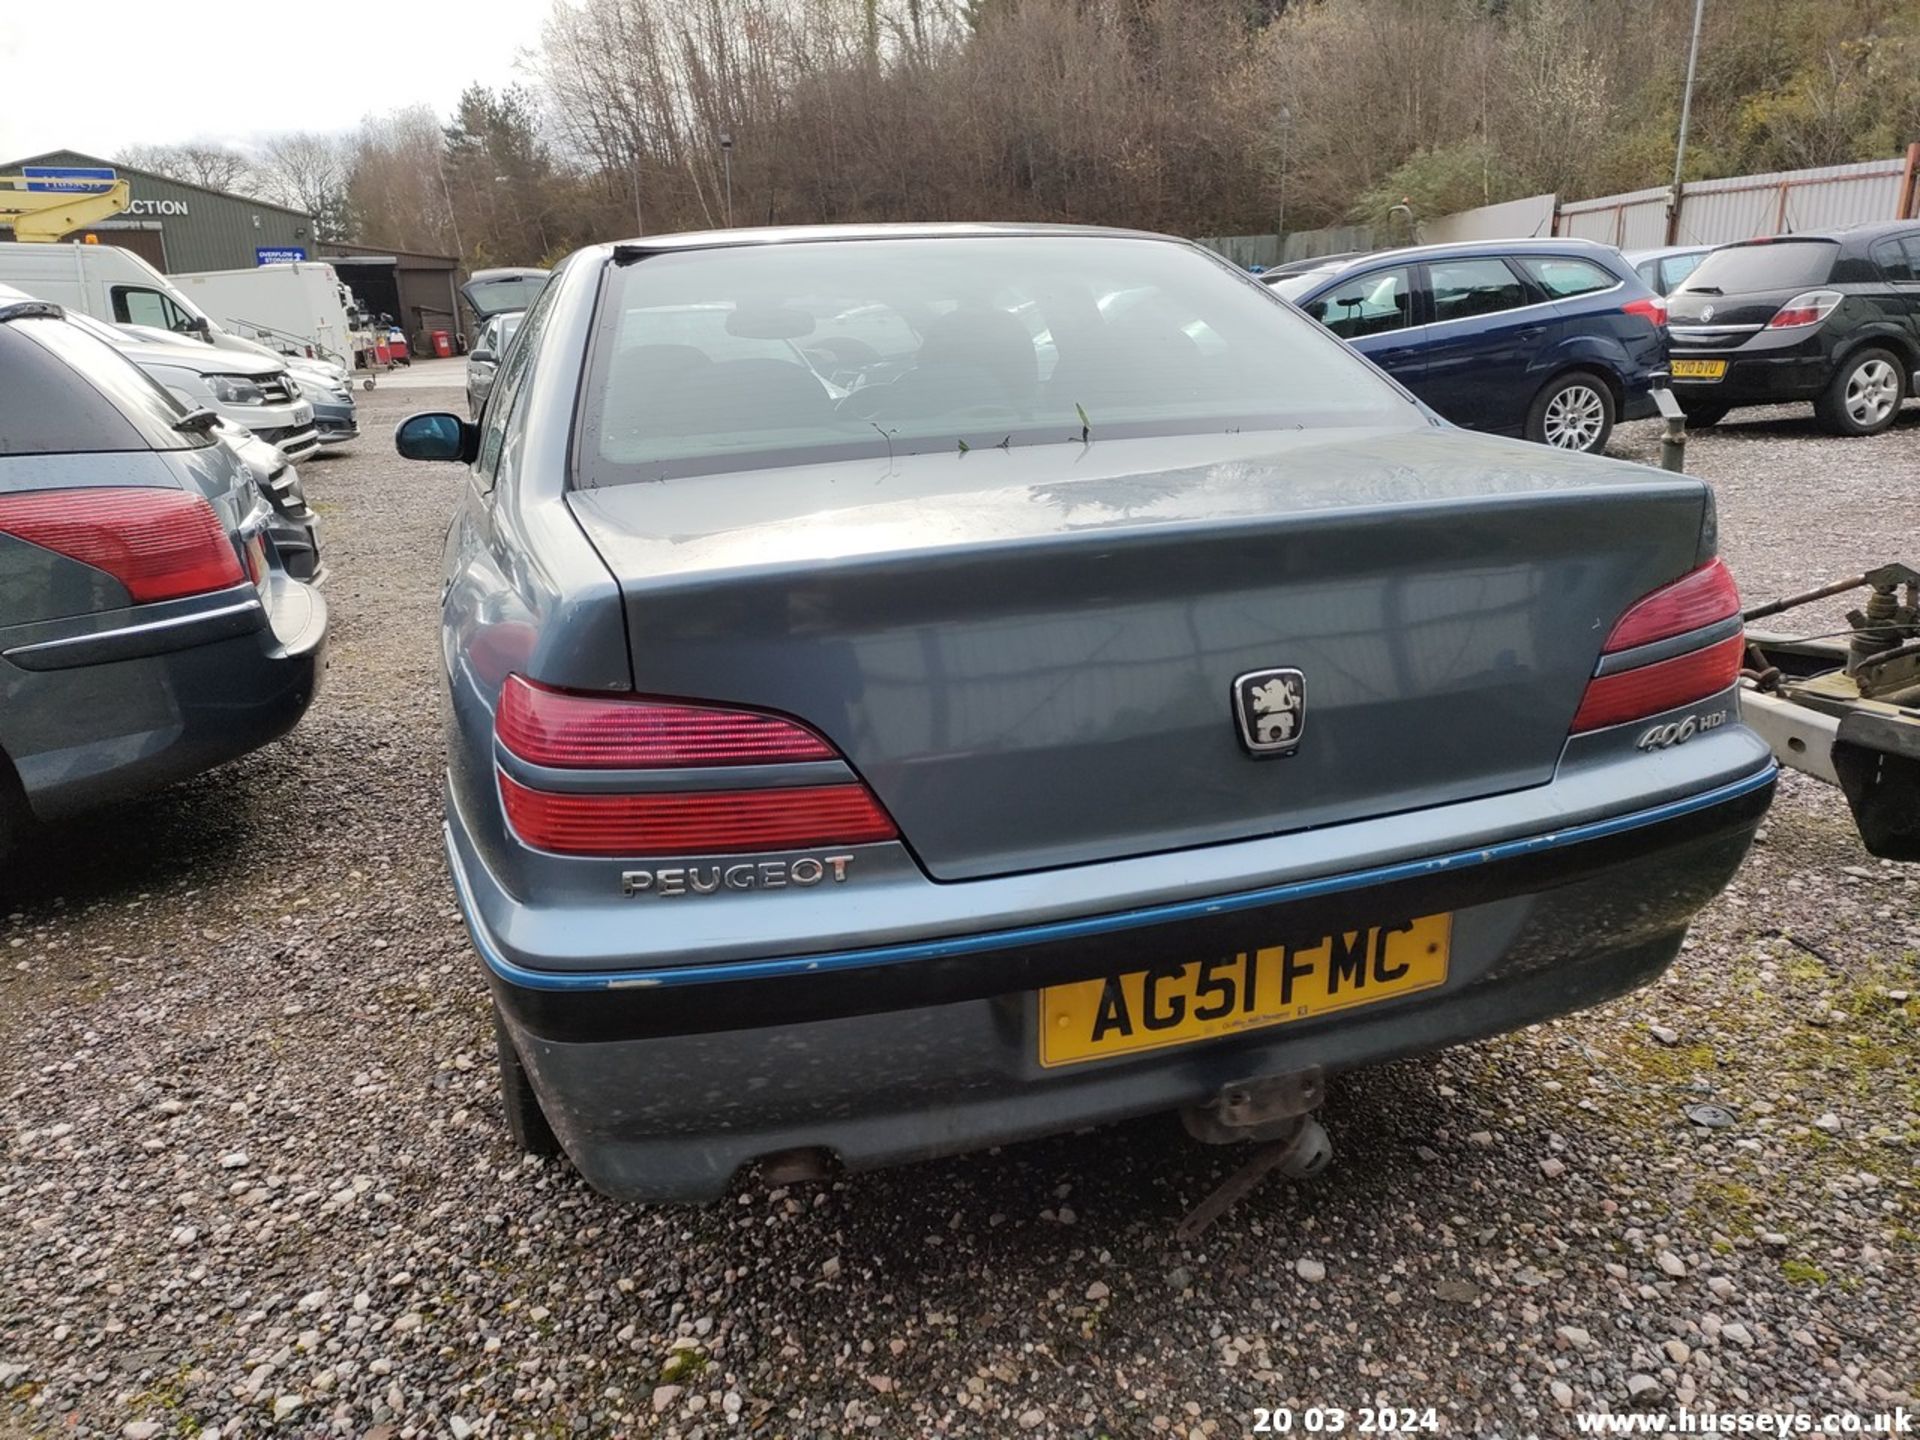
(1663, 252)
(1546, 245)
(815, 234)
(1862, 234)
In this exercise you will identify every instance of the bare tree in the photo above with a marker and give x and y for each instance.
(197, 162)
(308, 171)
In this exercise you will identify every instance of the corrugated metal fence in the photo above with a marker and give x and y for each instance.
(1743, 207)
(1531, 216)
(1712, 212)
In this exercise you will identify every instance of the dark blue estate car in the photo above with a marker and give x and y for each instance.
(1550, 339)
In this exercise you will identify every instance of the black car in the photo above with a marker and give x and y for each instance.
(1831, 318)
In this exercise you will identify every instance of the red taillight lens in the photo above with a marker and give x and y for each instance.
(569, 730)
(1650, 689)
(708, 822)
(160, 544)
(1652, 308)
(1808, 309)
(1698, 598)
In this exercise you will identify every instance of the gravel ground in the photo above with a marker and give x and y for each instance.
(259, 1182)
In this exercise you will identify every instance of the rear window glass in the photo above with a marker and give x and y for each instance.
(515, 292)
(1896, 259)
(1679, 267)
(1777, 265)
(67, 393)
(725, 359)
(1562, 276)
(1376, 303)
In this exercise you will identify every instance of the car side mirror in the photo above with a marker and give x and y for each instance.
(436, 435)
(481, 357)
(197, 325)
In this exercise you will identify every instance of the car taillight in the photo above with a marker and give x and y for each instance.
(1699, 600)
(1651, 308)
(568, 730)
(599, 732)
(703, 822)
(1807, 309)
(1700, 597)
(160, 544)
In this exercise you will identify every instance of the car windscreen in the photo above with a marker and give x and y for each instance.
(1776, 265)
(69, 393)
(735, 358)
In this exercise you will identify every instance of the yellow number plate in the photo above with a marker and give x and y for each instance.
(1699, 369)
(1177, 1004)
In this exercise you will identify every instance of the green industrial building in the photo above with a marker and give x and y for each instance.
(179, 227)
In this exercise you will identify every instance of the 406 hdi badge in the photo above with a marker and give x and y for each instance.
(1678, 732)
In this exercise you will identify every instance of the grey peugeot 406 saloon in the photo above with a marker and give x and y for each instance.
(916, 688)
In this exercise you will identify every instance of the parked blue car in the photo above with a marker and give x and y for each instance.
(1551, 339)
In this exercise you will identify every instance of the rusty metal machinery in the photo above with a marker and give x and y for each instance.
(1845, 708)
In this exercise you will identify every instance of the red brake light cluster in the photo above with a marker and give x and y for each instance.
(706, 822)
(1650, 307)
(1697, 600)
(1803, 310)
(598, 732)
(160, 544)
(568, 730)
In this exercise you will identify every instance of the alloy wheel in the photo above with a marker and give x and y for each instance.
(1575, 418)
(1872, 392)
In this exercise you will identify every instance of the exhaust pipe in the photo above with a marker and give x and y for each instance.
(794, 1167)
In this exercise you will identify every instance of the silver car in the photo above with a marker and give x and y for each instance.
(945, 705)
(484, 359)
(148, 626)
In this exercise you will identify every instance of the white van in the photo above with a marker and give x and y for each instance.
(298, 306)
(117, 287)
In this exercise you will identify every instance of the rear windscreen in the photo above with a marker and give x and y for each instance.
(490, 297)
(1777, 265)
(65, 392)
(745, 358)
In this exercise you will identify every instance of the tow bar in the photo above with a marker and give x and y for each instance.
(1842, 708)
(1846, 709)
(1276, 1112)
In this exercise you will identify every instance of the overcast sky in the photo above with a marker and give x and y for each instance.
(103, 74)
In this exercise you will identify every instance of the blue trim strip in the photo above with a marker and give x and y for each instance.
(721, 971)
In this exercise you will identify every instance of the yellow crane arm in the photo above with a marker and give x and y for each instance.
(46, 215)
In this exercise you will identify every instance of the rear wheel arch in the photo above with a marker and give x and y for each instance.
(1904, 346)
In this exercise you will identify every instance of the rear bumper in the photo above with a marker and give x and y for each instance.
(1799, 372)
(661, 1085)
(98, 708)
(1637, 403)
